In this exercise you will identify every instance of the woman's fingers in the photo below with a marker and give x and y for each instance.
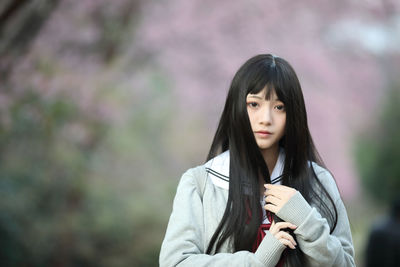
(276, 227)
(282, 236)
(271, 208)
(278, 196)
(272, 203)
(282, 225)
(279, 191)
(272, 199)
(287, 243)
(278, 187)
(287, 238)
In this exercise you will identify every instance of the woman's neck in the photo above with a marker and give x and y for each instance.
(271, 157)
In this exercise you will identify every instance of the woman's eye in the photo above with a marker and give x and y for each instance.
(280, 107)
(252, 104)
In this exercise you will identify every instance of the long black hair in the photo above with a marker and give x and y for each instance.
(247, 163)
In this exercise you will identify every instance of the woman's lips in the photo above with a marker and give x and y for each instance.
(263, 133)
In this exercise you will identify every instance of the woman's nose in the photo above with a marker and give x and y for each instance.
(266, 116)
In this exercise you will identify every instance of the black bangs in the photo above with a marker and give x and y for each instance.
(270, 76)
(261, 75)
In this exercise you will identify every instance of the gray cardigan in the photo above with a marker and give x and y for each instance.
(198, 208)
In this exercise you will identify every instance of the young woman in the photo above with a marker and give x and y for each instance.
(263, 198)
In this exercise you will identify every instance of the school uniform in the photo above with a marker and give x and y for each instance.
(200, 203)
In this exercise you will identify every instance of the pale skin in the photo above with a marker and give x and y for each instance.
(268, 119)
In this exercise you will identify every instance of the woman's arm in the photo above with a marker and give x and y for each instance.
(184, 241)
(320, 247)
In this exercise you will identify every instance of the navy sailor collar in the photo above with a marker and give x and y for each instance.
(218, 169)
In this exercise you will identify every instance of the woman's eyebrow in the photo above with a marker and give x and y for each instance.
(262, 98)
(254, 96)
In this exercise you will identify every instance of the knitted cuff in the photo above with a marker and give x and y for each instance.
(295, 210)
(270, 250)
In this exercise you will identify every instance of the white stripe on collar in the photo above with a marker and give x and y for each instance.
(218, 169)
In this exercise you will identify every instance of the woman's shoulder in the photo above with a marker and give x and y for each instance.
(323, 174)
(195, 174)
(214, 172)
(217, 170)
(327, 180)
(192, 181)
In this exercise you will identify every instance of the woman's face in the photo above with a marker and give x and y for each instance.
(267, 119)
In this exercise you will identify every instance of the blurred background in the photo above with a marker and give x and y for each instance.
(104, 104)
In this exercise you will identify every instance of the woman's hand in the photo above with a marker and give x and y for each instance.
(276, 196)
(284, 237)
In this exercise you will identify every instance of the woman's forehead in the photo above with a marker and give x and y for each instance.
(268, 92)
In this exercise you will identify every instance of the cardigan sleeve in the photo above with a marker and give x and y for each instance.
(321, 247)
(184, 243)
